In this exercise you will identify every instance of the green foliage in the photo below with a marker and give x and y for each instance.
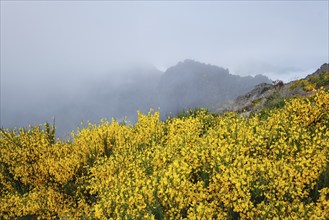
(320, 80)
(274, 101)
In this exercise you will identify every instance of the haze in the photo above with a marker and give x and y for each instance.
(59, 52)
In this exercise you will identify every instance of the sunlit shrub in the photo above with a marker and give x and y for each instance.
(196, 166)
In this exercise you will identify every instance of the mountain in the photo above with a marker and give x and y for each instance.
(267, 96)
(191, 84)
(121, 92)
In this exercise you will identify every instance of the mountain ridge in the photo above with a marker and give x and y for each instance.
(191, 84)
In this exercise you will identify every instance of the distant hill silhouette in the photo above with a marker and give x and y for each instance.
(191, 84)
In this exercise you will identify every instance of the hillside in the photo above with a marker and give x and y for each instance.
(199, 166)
(267, 96)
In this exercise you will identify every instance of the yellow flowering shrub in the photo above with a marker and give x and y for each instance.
(196, 166)
(312, 82)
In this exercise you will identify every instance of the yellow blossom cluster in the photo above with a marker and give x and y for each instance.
(197, 166)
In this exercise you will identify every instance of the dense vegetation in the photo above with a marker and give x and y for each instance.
(312, 82)
(196, 166)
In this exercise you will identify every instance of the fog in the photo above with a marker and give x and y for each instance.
(84, 60)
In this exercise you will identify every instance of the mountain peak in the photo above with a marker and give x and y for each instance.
(190, 61)
(190, 67)
(191, 84)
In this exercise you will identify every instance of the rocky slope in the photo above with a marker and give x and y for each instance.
(268, 96)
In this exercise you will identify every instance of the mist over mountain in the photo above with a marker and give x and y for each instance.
(122, 92)
(192, 84)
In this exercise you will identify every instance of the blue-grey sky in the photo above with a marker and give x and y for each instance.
(49, 47)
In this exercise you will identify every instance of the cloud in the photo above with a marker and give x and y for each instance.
(53, 50)
(274, 72)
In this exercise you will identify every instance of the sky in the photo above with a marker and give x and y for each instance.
(47, 43)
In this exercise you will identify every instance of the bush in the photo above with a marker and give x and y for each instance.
(195, 166)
